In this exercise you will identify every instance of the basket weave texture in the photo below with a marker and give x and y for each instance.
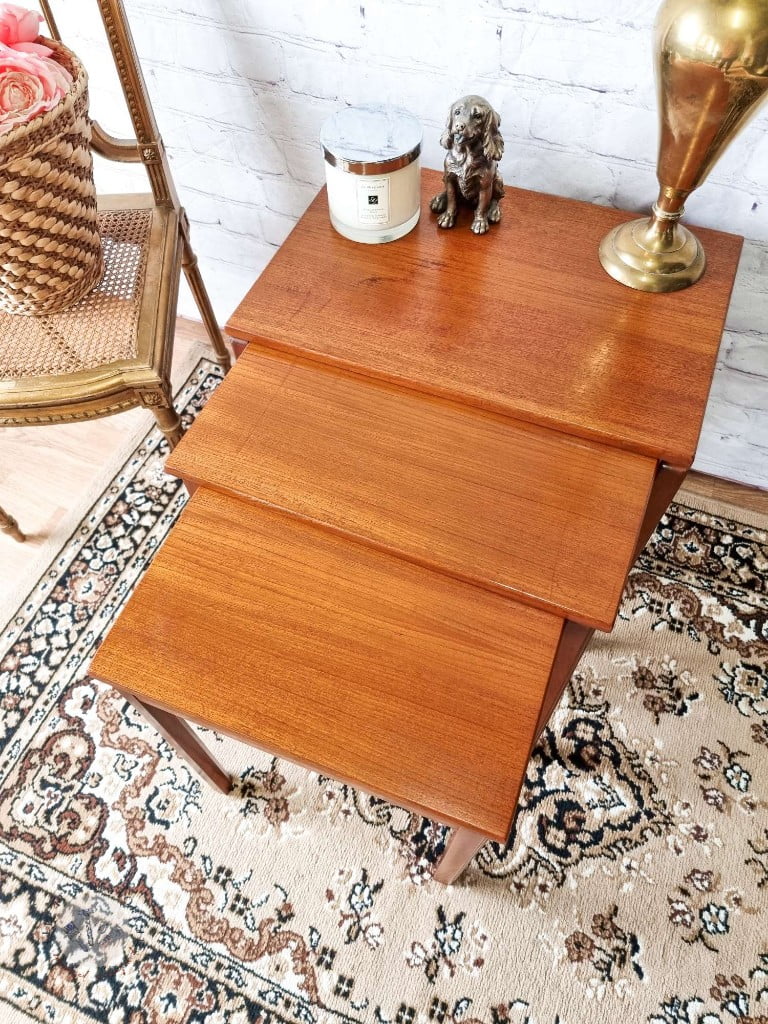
(50, 252)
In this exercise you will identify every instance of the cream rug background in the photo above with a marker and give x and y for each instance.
(634, 887)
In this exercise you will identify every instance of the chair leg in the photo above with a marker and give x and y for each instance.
(181, 737)
(200, 292)
(160, 400)
(461, 847)
(9, 525)
(169, 422)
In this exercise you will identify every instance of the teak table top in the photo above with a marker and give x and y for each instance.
(526, 511)
(417, 493)
(523, 320)
(351, 661)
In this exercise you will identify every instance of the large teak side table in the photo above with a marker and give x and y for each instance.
(415, 496)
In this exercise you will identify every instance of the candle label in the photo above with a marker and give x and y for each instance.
(373, 200)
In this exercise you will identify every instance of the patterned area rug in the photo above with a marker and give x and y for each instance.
(633, 889)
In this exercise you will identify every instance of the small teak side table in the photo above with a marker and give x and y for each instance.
(414, 497)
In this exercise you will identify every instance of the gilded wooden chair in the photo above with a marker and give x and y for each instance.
(112, 350)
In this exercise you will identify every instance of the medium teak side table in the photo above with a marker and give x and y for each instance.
(415, 496)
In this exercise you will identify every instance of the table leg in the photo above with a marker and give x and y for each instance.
(665, 486)
(573, 642)
(463, 843)
(461, 847)
(182, 738)
(575, 637)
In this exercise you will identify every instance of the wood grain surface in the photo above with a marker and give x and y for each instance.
(529, 512)
(522, 320)
(360, 665)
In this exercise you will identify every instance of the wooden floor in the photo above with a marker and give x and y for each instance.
(751, 499)
(47, 474)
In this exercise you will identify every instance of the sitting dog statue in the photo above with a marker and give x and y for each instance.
(474, 146)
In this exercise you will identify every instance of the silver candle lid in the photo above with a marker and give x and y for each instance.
(375, 139)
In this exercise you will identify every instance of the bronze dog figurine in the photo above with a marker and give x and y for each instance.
(474, 146)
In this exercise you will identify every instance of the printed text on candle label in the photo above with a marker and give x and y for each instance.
(373, 200)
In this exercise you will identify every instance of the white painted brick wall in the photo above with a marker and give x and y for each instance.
(241, 88)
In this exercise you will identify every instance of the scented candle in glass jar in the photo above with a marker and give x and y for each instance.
(373, 172)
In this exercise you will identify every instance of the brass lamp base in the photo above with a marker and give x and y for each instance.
(653, 255)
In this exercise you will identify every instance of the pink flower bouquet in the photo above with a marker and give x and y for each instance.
(32, 82)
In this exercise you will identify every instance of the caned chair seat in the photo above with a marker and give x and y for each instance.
(47, 362)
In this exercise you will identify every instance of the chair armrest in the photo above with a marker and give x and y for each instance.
(109, 146)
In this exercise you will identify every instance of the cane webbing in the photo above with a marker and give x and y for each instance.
(102, 327)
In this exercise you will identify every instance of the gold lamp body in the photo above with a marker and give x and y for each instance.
(711, 73)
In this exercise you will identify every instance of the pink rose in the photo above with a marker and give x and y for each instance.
(39, 48)
(18, 25)
(30, 85)
(19, 28)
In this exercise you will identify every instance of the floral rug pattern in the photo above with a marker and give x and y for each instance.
(634, 886)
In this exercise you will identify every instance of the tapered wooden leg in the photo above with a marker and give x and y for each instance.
(9, 525)
(182, 738)
(461, 847)
(463, 843)
(668, 481)
(575, 637)
(200, 293)
(573, 642)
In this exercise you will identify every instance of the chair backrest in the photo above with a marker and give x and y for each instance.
(147, 148)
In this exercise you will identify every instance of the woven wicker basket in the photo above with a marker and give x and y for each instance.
(50, 252)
